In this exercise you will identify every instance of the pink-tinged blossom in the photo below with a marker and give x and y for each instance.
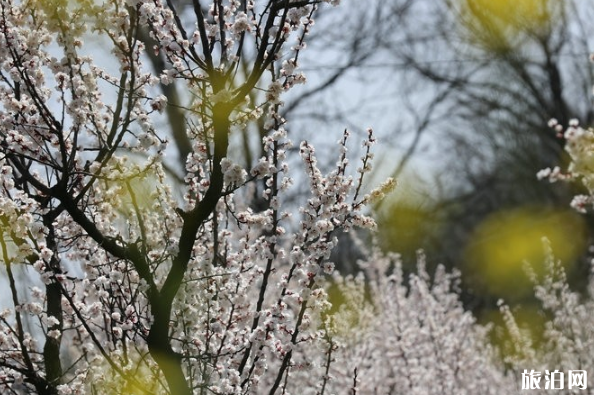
(581, 203)
(274, 91)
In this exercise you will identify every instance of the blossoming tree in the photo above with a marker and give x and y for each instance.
(117, 284)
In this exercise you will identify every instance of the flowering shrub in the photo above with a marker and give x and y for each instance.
(567, 340)
(411, 337)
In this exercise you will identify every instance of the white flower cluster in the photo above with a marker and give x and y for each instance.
(579, 144)
(380, 192)
(233, 174)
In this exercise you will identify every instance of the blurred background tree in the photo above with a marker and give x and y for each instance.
(506, 68)
(460, 92)
(499, 69)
